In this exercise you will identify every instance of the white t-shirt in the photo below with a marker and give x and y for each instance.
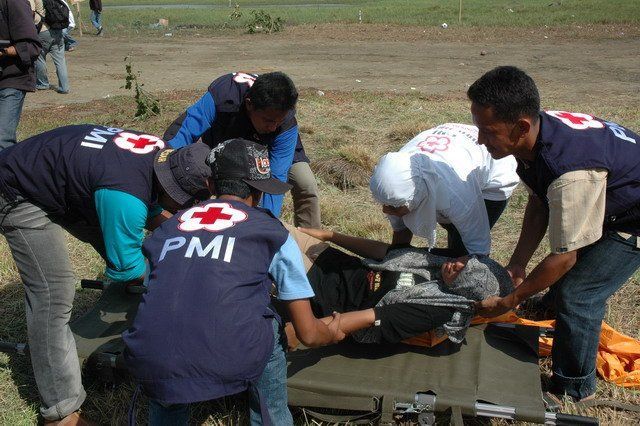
(464, 163)
(470, 176)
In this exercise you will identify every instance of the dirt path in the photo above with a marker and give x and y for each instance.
(580, 63)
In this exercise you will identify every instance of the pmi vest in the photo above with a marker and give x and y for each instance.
(60, 170)
(574, 141)
(228, 93)
(204, 328)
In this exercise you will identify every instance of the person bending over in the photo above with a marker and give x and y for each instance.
(104, 186)
(260, 108)
(205, 328)
(442, 176)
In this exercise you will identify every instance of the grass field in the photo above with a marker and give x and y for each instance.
(492, 13)
(344, 134)
(352, 129)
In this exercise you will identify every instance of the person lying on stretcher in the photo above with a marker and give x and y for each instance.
(394, 293)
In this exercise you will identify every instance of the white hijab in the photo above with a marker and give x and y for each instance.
(404, 179)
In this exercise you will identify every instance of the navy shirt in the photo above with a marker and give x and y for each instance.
(60, 170)
(87, 173)
(221, 115)
(574, 141)
(203, 329)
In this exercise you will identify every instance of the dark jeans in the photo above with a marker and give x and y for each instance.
(580, 302)
(11, 101)
(39, 248)
(455, 246)
(272, 385)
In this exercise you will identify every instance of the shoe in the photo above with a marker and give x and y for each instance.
(43, 88)
(62, 92)
(99, 31)
(73, 419)
(537, 308)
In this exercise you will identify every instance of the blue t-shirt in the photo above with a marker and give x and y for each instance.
(122, 220)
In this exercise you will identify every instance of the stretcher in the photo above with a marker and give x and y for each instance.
(493, 373)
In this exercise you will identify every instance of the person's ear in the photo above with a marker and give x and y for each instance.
(523, 126)
(248, 104)
(255, 196)
(211, 186)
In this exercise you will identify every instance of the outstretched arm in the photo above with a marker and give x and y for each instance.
(361, 246)
(351, 322)
(312, 331)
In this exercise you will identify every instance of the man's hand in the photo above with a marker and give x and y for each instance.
(334, 328)
(321, 234)
(517, 274)
(493, 306)
(8, 51)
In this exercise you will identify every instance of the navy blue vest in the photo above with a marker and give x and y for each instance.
(59, 170)
(204, 328)
(228, 93)
(575, 141)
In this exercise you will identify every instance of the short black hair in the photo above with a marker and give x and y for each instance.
(235, 187)
(273, 90)
(509, 91)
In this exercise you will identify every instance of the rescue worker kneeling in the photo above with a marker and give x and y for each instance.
(205, 328)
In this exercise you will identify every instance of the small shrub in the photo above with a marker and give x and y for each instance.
(261, 21)
(147, 105)
(236, 14)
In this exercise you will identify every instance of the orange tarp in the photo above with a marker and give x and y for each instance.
(618, 359)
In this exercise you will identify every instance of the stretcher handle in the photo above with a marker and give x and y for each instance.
(10, 347)
(95, 284)
(571, 419)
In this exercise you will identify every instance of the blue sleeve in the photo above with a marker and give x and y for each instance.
(287, 271)
(122, 219)
(200, 116)
(280, 156)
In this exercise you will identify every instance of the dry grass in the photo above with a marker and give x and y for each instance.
(344, 133)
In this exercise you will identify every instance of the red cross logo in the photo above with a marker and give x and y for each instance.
(209, 216)
(212, 217)
(138, 144)
(434, 143)
(241, 77)
(577, 120)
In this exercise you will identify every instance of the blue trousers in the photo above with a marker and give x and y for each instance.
(11, 101)
(580, 300)
(96, 19)
(52, 42)
(272, 385)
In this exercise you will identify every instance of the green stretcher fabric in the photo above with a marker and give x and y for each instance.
(100, 329)
(493, 365)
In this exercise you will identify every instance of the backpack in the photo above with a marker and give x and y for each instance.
(56, 14)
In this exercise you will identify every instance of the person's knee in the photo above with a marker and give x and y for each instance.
(303, 180)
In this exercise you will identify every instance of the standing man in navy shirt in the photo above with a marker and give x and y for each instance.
(583, 178)
(101, 185)
(205, 327)
(260, 108)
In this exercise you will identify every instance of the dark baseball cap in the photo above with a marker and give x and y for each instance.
(247, 161)
(183, 172)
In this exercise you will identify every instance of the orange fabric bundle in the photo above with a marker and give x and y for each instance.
(618, 359)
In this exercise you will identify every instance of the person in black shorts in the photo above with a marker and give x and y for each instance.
(344, 283)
